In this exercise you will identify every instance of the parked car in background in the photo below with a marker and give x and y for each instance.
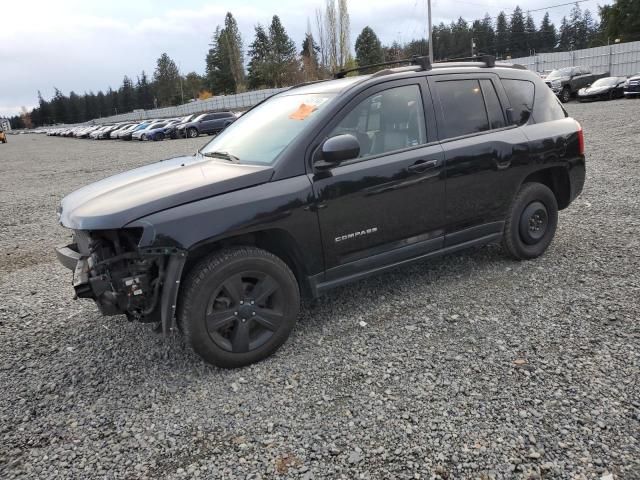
(158, 132)
(206, 123)
(172, 130)
(632, 86)
(114, 131)
(124, 131)
(606, 88)
(141, 134)
(129, 134)
(566, 82)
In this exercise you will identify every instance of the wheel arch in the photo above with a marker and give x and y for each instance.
(558, 181)
(275, 240)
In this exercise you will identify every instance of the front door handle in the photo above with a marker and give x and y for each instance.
(422, 166)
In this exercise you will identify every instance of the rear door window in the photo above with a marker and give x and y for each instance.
(463, 110)
(520, 94)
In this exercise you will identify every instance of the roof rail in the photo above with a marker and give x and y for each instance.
(488, 60)
(422, 62)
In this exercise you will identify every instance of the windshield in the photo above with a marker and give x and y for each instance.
(563, 72)
(261, 134)
(605, 82)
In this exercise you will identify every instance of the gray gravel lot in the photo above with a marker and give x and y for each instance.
(470, 366)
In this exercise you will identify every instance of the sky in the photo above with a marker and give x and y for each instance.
(82, 46)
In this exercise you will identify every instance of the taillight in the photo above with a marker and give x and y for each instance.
(580, 138)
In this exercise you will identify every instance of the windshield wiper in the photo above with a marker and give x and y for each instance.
(223, 155)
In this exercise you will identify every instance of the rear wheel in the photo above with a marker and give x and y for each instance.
(531, 222)
(239, 306)
(192, 133)
(565, 95)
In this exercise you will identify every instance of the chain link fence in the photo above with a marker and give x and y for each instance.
(619, 59)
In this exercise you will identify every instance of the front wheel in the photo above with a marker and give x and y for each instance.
(192, 133)
(531, 223)
(565, 95)
(239, 306)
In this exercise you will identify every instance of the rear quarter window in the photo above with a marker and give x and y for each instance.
(547, 107)
(521, 97)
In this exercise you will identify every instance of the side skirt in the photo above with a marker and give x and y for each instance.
(318, 285)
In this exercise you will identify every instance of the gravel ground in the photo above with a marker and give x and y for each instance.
(470, 366)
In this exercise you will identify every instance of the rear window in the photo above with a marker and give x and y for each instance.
(520, 94)
(462, 107)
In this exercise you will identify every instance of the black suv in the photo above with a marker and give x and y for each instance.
(209, 123)
(321, 185)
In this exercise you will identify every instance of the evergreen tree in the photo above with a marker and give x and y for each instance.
(502, 35)
(577, 35)
(225, 60)
(309, 56)
(547, 35)
(565, 37)
(416, 47)
(91, 106)
(368, 48)
(483, 34)
(441, 41)
(283, 65)
(621, 20)
(44, 111)
(259, 52)
(102, 106)
(144, 93)
(126, 96)
(59, 107)
(392, 52)
(589, 27)
(233, 44)
(75, 110)
(461, 39)
(532, 37)
(193, 85)
(166, 80)
(517, 40)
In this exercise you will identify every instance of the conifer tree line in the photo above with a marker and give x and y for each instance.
(271, 59)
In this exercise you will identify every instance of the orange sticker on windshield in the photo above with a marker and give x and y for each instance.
(303, 112)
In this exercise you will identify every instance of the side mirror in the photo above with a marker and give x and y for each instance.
(338, 149)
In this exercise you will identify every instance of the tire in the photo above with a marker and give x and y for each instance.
(241, 332)
(192, 132)
(143, 137)
(160, 136)
(565, 95)
(531, 222)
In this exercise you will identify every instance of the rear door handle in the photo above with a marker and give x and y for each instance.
(422, 166)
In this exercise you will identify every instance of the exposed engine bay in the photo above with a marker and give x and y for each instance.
(121, 278)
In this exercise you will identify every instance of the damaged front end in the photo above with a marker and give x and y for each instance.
(122, 278)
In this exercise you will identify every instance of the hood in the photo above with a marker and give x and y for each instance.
(123, 198)
(599, 89)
